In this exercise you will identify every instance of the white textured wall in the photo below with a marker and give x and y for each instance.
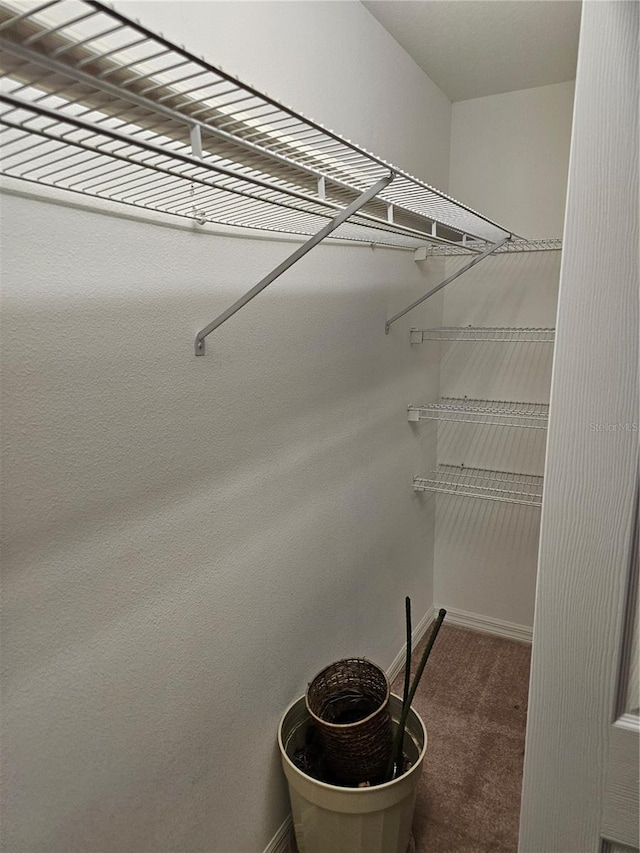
(187, 541)
(510, 157)
(486, 553)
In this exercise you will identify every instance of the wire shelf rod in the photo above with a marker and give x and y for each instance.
(118, 69)
(284, 122)
(110, 53)
(158, 85)
(30, 40)
(85, 41)
(177, 81)
(184, 92)
(29, 12)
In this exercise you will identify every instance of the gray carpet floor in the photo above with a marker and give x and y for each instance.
(473, 700)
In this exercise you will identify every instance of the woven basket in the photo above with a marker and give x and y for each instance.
(349, 702)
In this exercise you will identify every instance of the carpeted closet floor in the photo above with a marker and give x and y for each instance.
(473, 699)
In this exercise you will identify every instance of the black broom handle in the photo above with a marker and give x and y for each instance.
(399, 742)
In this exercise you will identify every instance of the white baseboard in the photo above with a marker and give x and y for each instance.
(486, 624)
(416, 635)
(280, 843)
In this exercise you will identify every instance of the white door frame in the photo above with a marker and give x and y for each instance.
(580, 791)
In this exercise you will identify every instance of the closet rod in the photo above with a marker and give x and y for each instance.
(442, 284)
(291, 260)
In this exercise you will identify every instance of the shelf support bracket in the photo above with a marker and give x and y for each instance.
(291, 260)
(472, 263)
(195, 138)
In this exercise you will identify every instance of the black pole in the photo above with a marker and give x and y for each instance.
(396, 768)
(407, 660)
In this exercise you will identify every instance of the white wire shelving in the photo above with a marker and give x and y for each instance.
(484, 333)
(94, 103)
(548, 245)
(504, 486)
(486, 412)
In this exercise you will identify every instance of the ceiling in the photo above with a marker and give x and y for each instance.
(473, 48)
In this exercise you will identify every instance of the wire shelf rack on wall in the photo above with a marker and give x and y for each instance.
(549, 245)
(94, 103)
(484, 333)
(504, 486)
(487, 412)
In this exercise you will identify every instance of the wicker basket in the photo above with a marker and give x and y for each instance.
(349, 702)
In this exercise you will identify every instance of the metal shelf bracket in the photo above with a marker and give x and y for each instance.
(291, 260)
(476, 260)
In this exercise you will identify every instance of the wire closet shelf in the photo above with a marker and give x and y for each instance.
(96, 104)
(484, 412)
(504, 486)
(502, 334)
(513, 246)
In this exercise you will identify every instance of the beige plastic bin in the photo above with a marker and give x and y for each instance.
(333, 819)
